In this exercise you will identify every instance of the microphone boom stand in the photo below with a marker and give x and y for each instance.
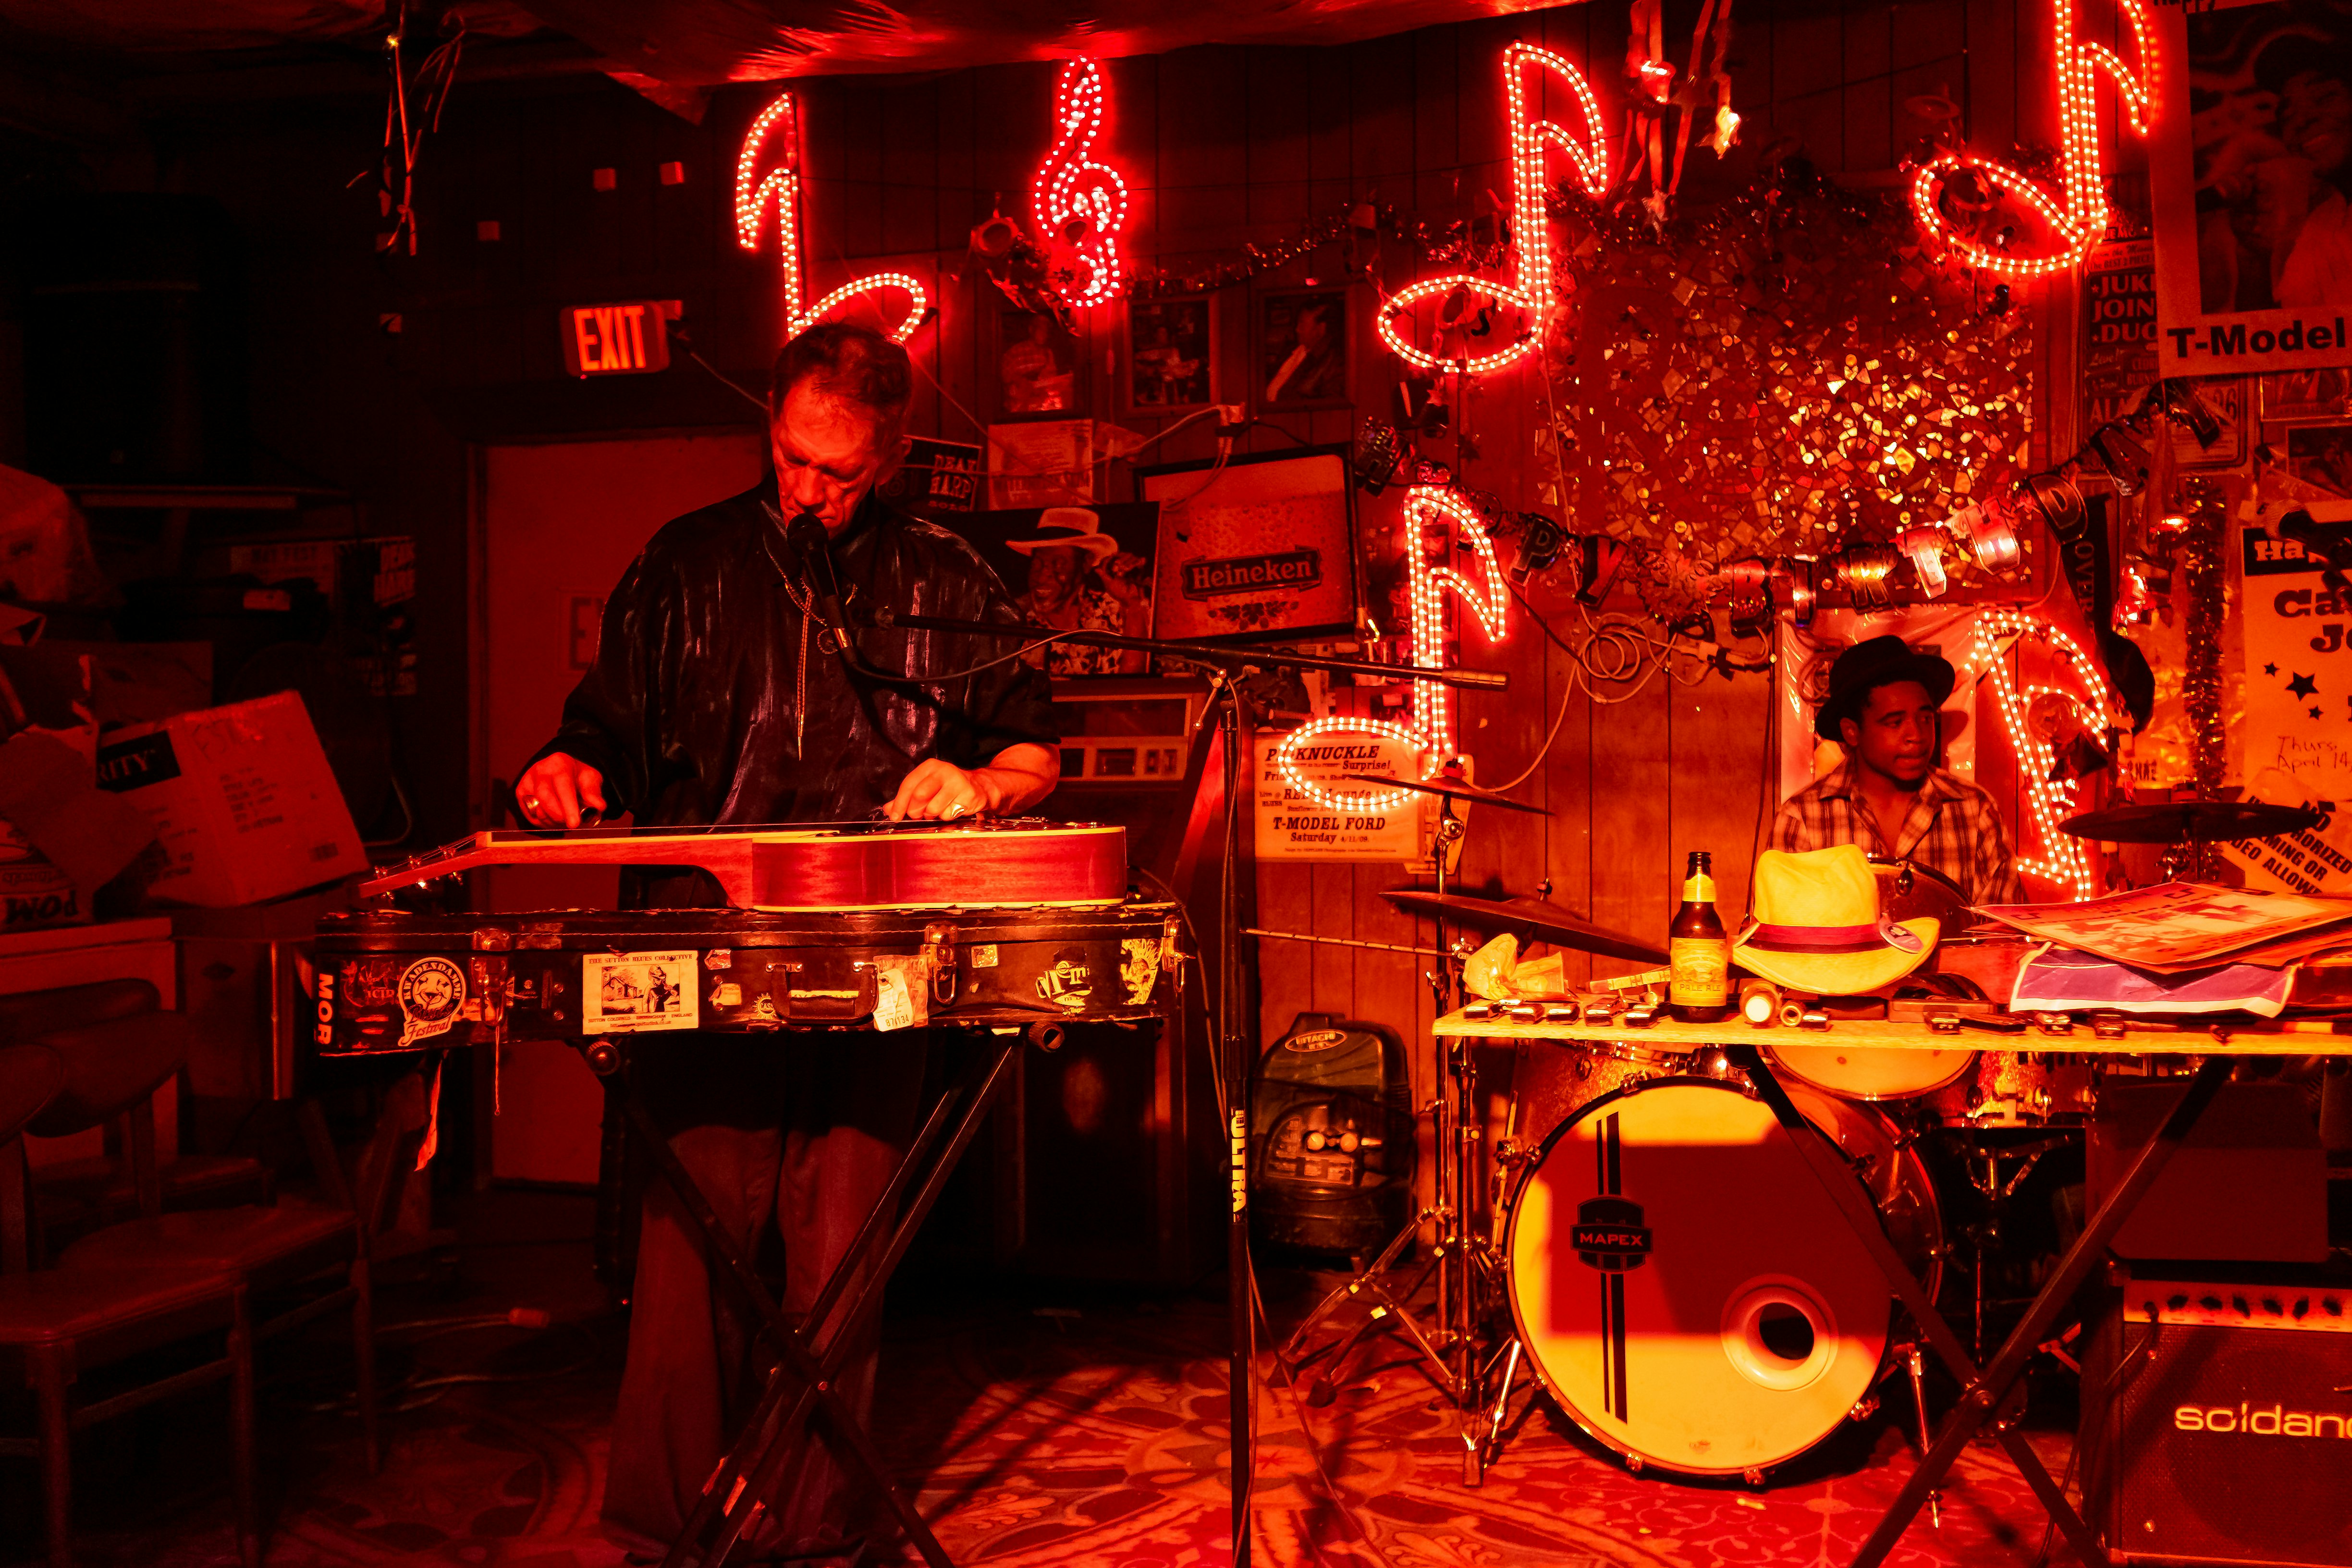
(1233, 1035)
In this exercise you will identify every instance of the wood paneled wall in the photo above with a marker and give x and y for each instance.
(1219, 146)
(1223, 146)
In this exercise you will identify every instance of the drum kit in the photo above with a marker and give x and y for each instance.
(1771, 1324)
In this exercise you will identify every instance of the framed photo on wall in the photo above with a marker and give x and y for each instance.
(2298, 396)
(1171, 363)
(1301, 349)
(2321, 457)
(1038, 367)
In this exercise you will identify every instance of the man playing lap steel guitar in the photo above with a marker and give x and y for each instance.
(721, 697)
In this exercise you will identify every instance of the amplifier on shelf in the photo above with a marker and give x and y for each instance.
(2217, 1418)
(1126, 730)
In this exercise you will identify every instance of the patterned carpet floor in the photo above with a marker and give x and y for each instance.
(1036, 1436)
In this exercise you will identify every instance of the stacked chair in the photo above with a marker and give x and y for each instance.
(92, 1056)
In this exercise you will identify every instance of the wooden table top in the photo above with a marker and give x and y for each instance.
(2283, 1037)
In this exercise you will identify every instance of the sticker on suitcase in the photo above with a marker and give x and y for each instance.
(631, 993)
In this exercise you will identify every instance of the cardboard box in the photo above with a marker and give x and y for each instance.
(243, 802)
(34, 892)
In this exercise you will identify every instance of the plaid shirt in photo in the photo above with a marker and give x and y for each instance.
(1953, 828)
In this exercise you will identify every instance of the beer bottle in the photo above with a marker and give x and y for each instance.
(1697, 953)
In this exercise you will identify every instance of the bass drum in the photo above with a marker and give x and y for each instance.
(1684, 1288)
(1907, 891)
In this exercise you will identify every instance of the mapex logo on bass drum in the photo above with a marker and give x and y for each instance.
(1610, 1236)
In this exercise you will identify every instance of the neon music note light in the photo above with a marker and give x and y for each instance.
(781, 187)
(1530, 288)
(2050, 802)
(2078, 215)
(1430, 729)
(1081, 202)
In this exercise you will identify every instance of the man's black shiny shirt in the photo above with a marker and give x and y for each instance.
(690, 710)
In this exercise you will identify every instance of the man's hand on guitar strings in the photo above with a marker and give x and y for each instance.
(555, 789)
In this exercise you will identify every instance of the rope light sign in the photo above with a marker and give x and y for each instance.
(2077, 215)
(1080, 203)
(1430, 730)
(2051, 802)
(779, 125)
(1530, 288)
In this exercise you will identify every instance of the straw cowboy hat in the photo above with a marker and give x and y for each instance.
(1069, 528)
(1817, 927)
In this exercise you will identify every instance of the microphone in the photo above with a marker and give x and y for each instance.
(806, 535)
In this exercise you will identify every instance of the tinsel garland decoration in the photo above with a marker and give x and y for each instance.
(1780, 372)
(2204, 584)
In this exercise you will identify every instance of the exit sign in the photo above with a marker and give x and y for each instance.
(630, 337)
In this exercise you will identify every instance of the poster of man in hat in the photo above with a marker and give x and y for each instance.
(1076, 568)
(2250, 180)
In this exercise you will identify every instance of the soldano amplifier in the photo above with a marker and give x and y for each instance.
(2217, 1418)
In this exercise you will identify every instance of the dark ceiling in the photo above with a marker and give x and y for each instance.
(703, 43)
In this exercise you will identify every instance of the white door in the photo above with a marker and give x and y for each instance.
(560, 522)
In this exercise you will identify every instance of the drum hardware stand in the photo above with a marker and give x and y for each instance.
(1986, 1233)
(1984, 1387)
(1915, 1362)
(1343, 941)
(1457, 1260)
(809, 1358)
(1233, 1031)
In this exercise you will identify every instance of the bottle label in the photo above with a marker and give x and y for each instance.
(1698, 889)
(1700, 967)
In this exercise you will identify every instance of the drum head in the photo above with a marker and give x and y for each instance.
(1860, 1072)
(1685, 1288)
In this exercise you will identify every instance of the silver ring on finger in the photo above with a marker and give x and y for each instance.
(957, 810)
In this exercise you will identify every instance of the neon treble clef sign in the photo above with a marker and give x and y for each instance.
(1430, 730)
(1530, 288)
(780, 123)
(2077, 216)
(1081, 204)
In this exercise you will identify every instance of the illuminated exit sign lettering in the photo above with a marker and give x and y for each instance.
(630, 337)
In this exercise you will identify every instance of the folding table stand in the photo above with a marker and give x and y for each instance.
(1982, 1388)
(811, 1353)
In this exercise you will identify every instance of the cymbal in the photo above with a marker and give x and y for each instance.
(1453, 789)
(1527, 919)
(2197, 821)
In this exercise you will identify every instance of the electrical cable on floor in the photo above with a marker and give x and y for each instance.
(533, 1319)
(1315, 1450)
